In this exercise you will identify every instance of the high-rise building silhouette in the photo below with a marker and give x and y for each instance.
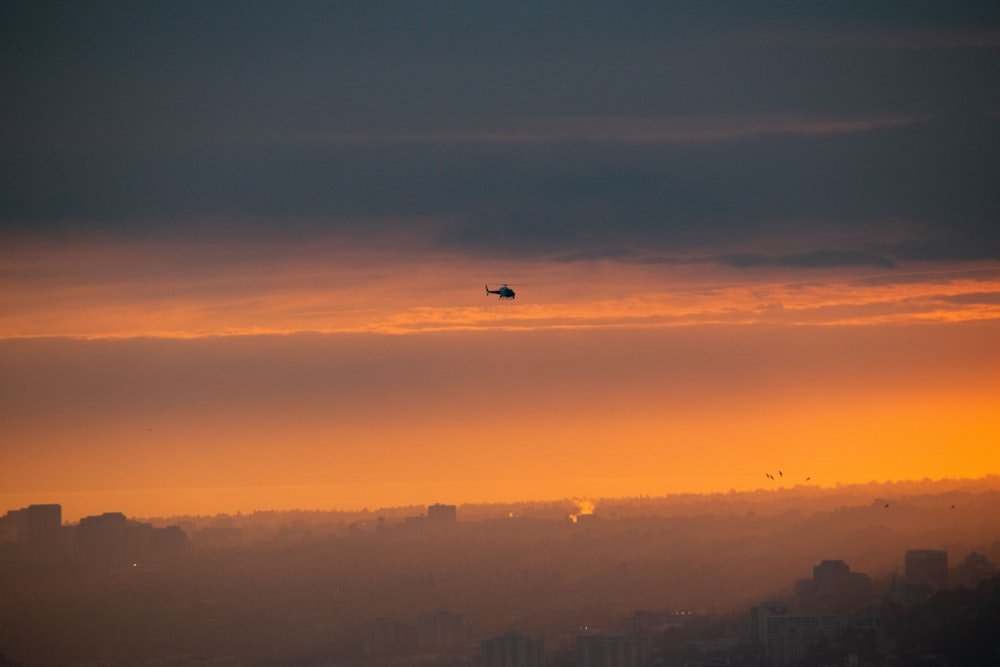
(612, 651)
(44, 524)
(511, 650)
(927, 566)
(974, 569)
(641, 623)
(787, 637)
(35, 524)
(167, 542)
(440, 629)
(37, 528)
(101, 541)
(384, 636)
(926, 574)
(833, 588)
(442, 515)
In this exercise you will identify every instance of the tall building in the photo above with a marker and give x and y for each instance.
(167, 542)
(759, 616)
(612, 651)
(44, 524)
(833, 588)
(101, 541)
(34, 524)
(788, 637)
(384, 636)
(927, 566)
(37, 528)
(641, 623)
(975, 569)
(442, 515)
(511, 650)
(441, 629)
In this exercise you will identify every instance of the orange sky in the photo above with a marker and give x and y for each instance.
(159, 379)
(179, 291)
(242, 262)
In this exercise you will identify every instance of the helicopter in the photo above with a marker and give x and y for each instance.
(504, 291)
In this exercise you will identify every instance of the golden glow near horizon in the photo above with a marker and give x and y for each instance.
(169, 380)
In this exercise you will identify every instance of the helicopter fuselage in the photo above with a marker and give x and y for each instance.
(504, 292)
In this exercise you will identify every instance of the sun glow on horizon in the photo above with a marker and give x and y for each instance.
(300, 381)
(165, 503)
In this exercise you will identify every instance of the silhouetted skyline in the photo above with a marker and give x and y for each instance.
(761, 578)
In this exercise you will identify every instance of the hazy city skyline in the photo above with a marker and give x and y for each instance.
(777, 578)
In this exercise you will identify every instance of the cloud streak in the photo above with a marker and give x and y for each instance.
(624, 130)
(137, 291)
(813, 258)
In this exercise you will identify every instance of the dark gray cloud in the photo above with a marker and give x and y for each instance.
(862, 135)
(810, 259)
